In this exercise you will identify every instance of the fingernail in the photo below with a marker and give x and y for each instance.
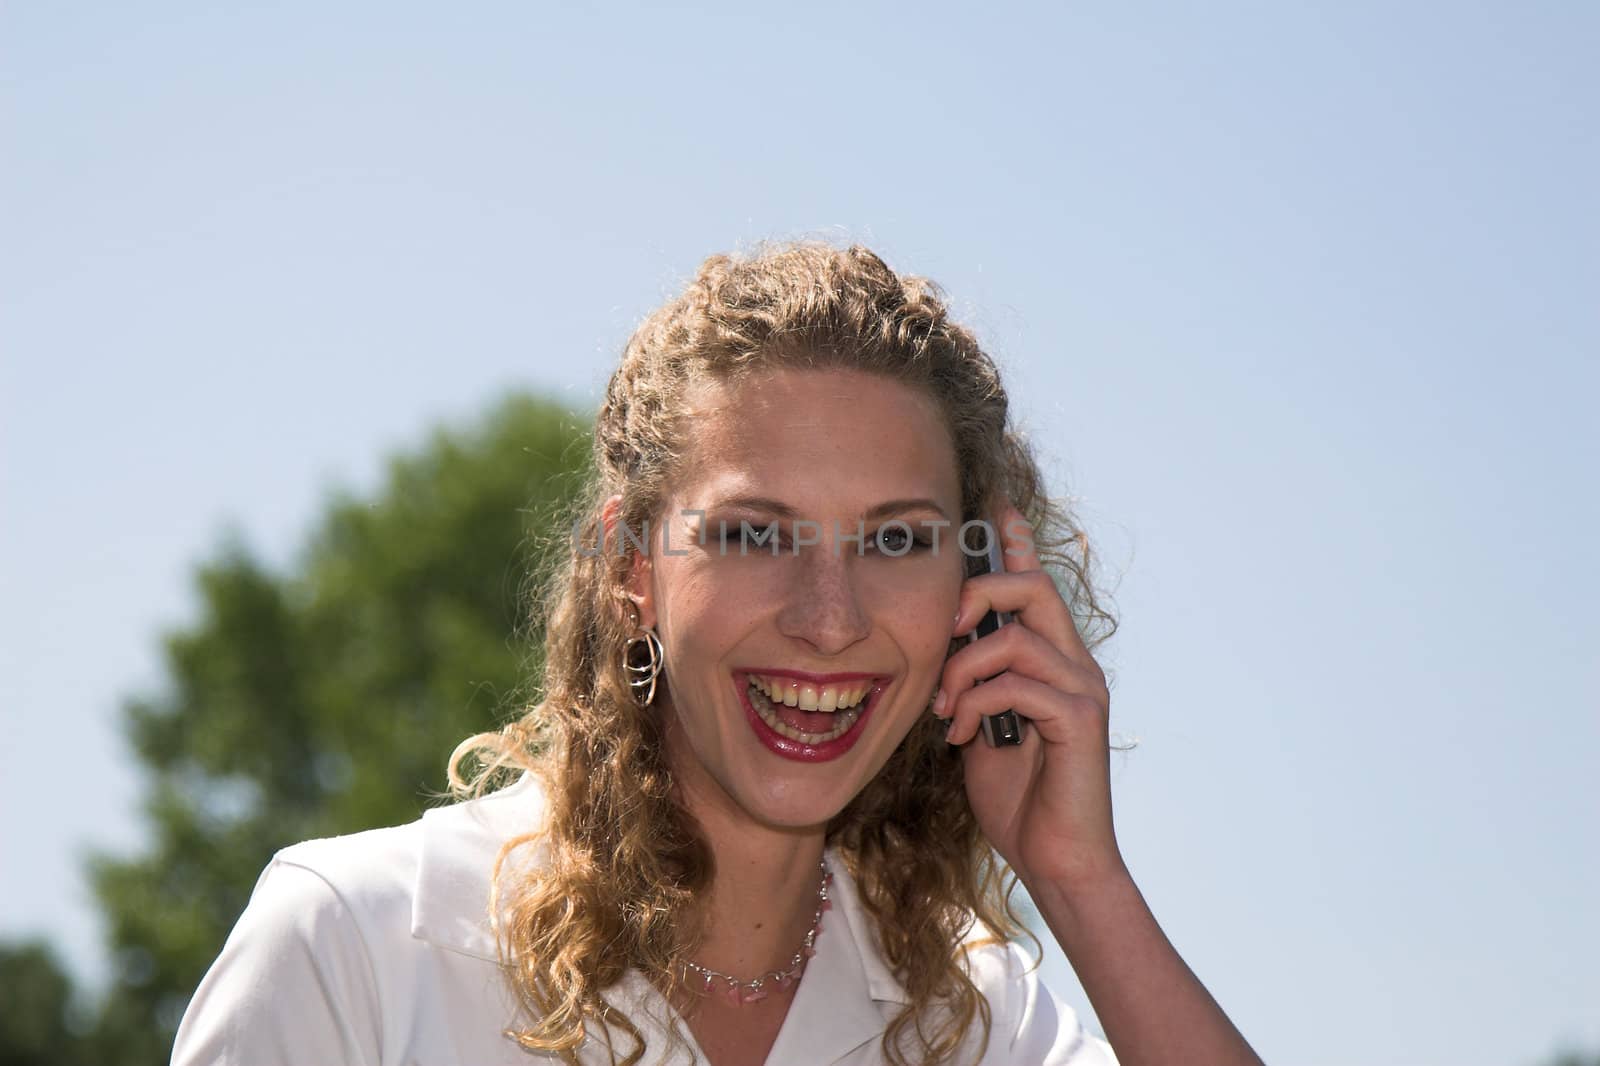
(938, 704)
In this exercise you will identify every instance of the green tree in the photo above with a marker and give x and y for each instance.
(37, 1023)
(326, 700)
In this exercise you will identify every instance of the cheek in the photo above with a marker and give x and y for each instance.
(705, 614)
(920, 604)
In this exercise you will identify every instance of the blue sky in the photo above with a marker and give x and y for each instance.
(1297, 300)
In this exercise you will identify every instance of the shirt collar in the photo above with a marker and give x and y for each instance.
(836, 1005)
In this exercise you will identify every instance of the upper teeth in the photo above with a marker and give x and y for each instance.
(810, 697)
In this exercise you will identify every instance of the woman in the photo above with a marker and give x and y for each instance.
(753, 824)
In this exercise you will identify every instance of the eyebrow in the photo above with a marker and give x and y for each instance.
(783, 510)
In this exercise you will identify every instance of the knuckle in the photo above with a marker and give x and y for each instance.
(1087, 706)
(953, 681)
(1012, 636)
(957, 668)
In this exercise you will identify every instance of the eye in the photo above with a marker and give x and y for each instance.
(735, 537)
(892, 540)
(895, 539)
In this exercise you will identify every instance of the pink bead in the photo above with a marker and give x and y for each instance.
(810, 952)
(751, 997)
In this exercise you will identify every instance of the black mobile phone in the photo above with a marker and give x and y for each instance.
(1004, 729)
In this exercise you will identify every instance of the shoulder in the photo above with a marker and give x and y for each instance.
(305, 958)
(347, 941)
(371, 874)
(428, 879)
(1030, 1024)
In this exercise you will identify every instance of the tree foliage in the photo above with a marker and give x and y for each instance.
(37, 1027)
(326, 700)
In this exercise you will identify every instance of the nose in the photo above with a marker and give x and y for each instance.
(823, 605)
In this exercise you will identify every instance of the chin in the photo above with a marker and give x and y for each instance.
(796, 811)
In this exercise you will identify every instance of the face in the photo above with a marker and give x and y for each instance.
(824, 621)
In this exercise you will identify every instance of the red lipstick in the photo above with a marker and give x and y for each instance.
(799, 750)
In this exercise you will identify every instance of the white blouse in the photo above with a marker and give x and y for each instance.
(376, 949)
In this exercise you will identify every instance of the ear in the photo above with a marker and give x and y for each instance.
(639, 585)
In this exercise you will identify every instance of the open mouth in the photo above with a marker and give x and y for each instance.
(802, 712)
(805, 717)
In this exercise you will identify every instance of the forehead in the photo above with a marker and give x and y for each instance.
(836, 440)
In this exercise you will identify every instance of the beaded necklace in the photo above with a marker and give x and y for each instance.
(740, 992)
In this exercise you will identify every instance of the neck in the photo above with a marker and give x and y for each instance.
(764, 893)
(763, 896)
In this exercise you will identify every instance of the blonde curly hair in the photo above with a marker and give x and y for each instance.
(627, 870)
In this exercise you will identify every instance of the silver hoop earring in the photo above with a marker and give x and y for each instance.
(642, 676)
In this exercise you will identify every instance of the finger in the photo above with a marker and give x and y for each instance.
(1059, 717)
(1016, 541)
(1030, 596)
(1020, 650)
(1020, 554)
